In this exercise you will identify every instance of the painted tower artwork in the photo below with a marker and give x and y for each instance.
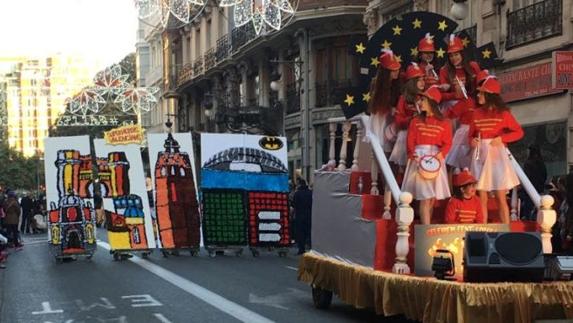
(175, 195)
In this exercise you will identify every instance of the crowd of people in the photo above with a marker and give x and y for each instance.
(18, 215)
(445, 131)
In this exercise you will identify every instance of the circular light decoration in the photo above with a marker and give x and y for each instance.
(184, 11)
(136, 100)
(260, 12)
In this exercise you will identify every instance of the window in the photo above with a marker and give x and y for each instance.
(536, 21)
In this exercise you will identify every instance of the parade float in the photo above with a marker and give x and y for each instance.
(368, 249)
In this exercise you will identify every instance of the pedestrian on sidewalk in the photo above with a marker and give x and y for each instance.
(27, 205)
(12, 210)
(303, 213)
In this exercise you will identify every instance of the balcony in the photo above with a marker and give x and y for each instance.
(223, 48)
(198, 67)
(537, 21)
(185, 74)
(240, 36)
(332, 92)
(210, 59)
(292, 98)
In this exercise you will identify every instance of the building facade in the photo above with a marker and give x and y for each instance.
(222, 78)
(35, 93)
(525, 33)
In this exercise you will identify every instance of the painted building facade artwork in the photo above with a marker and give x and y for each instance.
(71, 214)
(244, 185)
(175, 192)
(130, 225)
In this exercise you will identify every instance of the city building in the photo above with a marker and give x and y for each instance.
(525, 33)
(34, 95)
(218, 76)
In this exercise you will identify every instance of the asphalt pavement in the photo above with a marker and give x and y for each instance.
(226, 288)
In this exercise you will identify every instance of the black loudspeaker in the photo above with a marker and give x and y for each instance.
(503, 257)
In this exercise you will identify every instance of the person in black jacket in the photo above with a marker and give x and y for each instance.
(536, 171)
(303, 215)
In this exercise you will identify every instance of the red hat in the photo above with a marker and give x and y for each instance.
(464, 178)
(389, 61)
(490, 85)
(433, 92)
(413, 71)
(482, 75)
(455, 44)
(426, 44)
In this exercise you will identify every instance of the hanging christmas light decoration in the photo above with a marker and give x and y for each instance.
(87, 101)
(260, 12)
(137, 100)
(182, 10)
(110, 81)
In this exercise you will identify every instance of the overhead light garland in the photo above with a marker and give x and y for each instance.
(180, 9)
(260, 12)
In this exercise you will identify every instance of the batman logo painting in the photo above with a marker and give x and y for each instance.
(271, 143)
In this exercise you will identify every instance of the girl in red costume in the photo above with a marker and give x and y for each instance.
(429, 134)
(385, 91)
(464, 206)
(426, 52)
(458, 80)
(406, 109)
(492, 128)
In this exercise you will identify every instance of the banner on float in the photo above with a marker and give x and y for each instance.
(130, 134)
(175, 194)
(69, 192)
(430, 238)
(244, 189)
(129, 223)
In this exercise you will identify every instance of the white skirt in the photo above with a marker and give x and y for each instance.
(423, 189)
(459, 155)
(493, 168)
(399, 153)
(378, 123)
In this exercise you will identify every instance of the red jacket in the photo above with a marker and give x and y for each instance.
(431, 131)
(464, 211)
(463, 111)
(461, 74)
(429, 78)
(404, 113)
(491, 123)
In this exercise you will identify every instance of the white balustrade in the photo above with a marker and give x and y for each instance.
(332, 151)
(346, 126)
(374, 174)
(356, 153)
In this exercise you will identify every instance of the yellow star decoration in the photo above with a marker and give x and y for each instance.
(440, 53)
(417, 23)
(397, 30)
(442, 25)
(465, 42)
(349, 100)
(414, 51)
(386, 44)
(374, 61)
(486, 53)
(399, 58)
(360, 48)
(366, 97)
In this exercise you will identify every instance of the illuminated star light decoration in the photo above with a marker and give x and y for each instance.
(180, 9)
(87, 101)
(136, 100)
(260, 12)
(110, 81)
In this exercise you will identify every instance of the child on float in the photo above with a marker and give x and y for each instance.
(492, 128)
(426, 55)
(464, 206)
(406, 109)
(458, 81)
(429, 140)
(384, 89)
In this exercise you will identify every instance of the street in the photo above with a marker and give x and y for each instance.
(35, 288)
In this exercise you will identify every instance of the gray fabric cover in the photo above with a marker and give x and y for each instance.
(338, 229)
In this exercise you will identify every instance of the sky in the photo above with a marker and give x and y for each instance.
(102, 31)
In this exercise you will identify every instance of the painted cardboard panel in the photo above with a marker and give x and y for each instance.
(68, 189)
(174, 181)
(128, 217)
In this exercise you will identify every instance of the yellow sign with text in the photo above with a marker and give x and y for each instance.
(132, 134)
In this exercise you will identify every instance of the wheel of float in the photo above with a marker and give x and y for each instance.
(116, 256)
(255, 252)
(175, 252)
(89, 256)
(165, 253)
(194, 252)
(212, 254)
(239, 252)
(282, 254)
(145, 255)
(321, 298)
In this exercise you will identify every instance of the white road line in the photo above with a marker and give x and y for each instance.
(292, 268)
(235, 310)
(161, 318)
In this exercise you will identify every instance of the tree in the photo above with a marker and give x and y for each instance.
(18, 172)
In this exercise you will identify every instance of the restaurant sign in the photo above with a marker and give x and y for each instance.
(528, 82)
(562, 70)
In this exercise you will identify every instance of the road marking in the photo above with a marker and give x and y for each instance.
(235, 310)
(47, 309)
(292, 268)
(161, 318)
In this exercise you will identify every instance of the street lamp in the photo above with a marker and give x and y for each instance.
(459, 9)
